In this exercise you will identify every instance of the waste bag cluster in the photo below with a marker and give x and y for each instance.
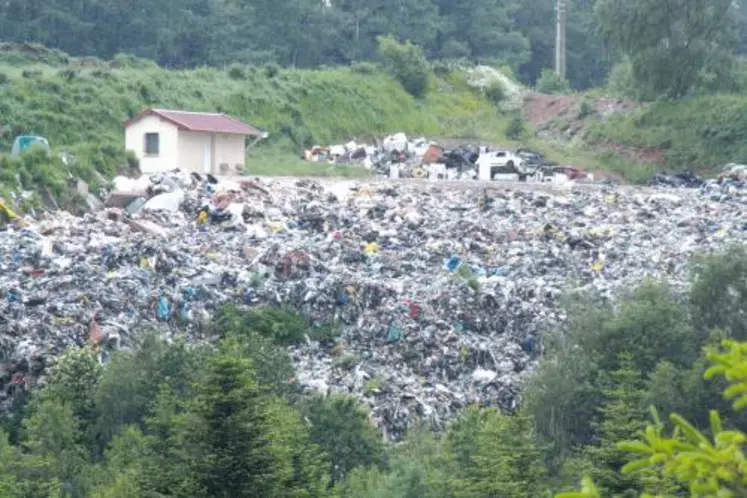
(397, 156)
(441, 292)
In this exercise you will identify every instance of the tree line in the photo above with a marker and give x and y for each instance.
(227, 419)
(313, 33)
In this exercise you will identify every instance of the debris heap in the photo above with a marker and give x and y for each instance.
(396, 157)
(442, 292)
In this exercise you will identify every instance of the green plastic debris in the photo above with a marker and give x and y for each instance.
(25, 142)
(395, 334)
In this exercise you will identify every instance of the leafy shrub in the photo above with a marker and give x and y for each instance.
(495, 92)
(406, 63)
(68, 74)
(586, 110)
(364, 68)
(4, 78)
(515, 128)
(31, 73)
(121, 61)
(621, 82)
(237, 72)
(272, 70)
(283, 326)
(132, 160)
(551, 83)
(454, 49)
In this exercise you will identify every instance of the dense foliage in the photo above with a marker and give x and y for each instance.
(228, 420)
(309, 33)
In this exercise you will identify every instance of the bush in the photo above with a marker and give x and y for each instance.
(283, 326)
(586, 110)
(621, 82)
(132, 161)
(406, 63)
(495, 92)
(551, 83)
(364, 68)
(515, 128)
(4, 78)
(236, 72)
(454, 49)
(272, 70)
(31, 73)
(68, 74)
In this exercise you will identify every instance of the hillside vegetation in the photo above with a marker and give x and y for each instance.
(81, 109)
(701, 133)
(80, 104)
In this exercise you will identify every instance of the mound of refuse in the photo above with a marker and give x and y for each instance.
(400, 157)
(442, 291)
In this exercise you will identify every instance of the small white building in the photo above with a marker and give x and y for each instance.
(164, 140)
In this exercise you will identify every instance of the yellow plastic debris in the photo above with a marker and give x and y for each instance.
(202, 217)
(276, 227)
(609, 199)
(7, 211)
(145, 264)
(597, 266)
(371, 248)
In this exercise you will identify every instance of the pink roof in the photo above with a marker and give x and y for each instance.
(200, 121)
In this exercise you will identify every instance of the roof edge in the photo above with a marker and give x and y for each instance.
(161, 113)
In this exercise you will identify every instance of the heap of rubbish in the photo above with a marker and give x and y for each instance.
(441, 292)
(399, 157)
(731, 182)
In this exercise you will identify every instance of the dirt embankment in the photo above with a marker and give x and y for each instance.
(568, 117)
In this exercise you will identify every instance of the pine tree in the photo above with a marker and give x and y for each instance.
(230, 431)
(505, 460)
(622, 415)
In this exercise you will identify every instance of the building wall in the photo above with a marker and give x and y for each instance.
(223, 148)
(230, 150)
(192, 150)
(168, 143)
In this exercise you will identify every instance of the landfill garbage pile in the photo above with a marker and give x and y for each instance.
(441, 293)
(729, 185)
(686, 179)
(399, 157)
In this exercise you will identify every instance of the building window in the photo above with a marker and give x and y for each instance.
(152, 144)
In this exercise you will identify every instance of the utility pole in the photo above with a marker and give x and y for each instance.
(560, 39)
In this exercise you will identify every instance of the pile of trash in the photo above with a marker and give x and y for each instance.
(399, 157)
(730, 184)
(441, 294)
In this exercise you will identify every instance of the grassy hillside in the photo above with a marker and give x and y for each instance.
(701, 133)
(79, 105)
(82, 109)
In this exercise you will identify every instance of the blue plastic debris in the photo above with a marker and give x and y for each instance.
(342, 299)
(453, 263)
(163, 311)
(14, 296)
(184, 311)
(394, 334)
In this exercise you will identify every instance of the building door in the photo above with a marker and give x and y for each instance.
(207, 159)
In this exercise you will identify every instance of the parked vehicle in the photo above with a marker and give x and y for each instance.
(502, 162)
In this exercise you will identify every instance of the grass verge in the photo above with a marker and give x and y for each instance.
(700, 133)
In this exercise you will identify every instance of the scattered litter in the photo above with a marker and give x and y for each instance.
(442, 291)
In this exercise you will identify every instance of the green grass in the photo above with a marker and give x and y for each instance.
(82, 109)
(275, 162)
(701, 133)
